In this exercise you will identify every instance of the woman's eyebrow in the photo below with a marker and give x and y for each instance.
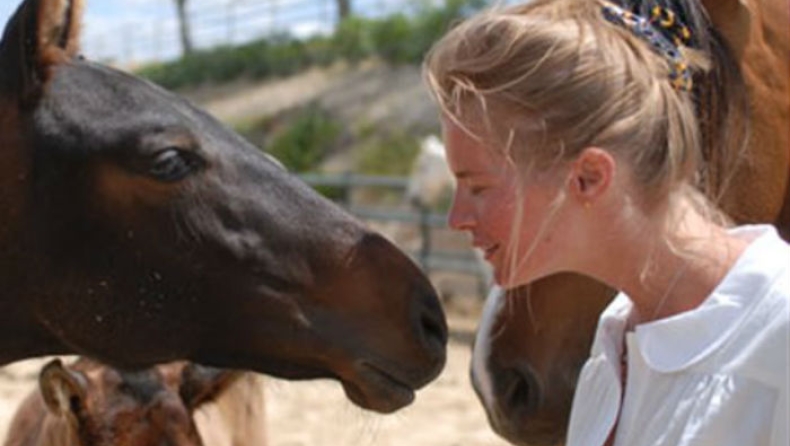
(464, 174)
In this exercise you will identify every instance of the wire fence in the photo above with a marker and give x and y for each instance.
(233, 22)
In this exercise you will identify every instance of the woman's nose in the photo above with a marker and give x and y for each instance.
(460, 217)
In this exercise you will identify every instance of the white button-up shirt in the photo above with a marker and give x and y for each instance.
(717, 375)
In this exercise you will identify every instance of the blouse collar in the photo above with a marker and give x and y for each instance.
(680, 341)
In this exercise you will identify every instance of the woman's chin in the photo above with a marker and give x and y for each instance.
(506, 280)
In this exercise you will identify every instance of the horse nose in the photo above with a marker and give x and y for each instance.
(517, 391)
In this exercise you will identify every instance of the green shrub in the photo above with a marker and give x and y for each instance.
(306, 140)
(334, 193)
(320, 51)
(386, 153)
(351, 40)
(393, 39)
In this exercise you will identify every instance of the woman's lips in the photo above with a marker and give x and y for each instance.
(489, 252)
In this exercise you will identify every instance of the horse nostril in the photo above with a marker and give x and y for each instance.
(518, 392)
(432, 325)
(434, 332)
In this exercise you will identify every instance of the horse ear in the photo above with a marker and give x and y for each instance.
(733, 18)
(200, 384)
(40, 35)
(64, 391)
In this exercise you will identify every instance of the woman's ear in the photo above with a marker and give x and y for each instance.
(591, 174)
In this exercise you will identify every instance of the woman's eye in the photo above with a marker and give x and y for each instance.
(477, 190)
(173, 165)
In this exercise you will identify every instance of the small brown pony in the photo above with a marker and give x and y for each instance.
(88, 404)
(136, 229)
(532, 341)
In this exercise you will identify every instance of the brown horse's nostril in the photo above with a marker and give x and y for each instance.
(517, 392)
(432, 326)
(434, 332)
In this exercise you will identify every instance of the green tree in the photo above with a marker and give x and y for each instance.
(343, 9)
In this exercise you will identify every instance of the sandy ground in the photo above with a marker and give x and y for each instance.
(316, 413)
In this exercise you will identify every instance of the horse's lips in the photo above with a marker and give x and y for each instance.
(377, 390)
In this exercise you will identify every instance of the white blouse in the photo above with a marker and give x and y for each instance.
(717, 375)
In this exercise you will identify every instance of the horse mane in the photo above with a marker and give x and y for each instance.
(720, 96)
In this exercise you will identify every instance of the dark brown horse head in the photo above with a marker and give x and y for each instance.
(136, 229)
(532, 342)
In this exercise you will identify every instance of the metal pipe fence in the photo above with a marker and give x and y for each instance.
(233, 22)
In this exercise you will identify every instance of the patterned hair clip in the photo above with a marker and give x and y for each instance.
(665, 19)
(648, 30)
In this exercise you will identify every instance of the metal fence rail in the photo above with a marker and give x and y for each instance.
(230, 23)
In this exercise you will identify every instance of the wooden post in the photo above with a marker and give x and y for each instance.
(425, 238)
(345, 194)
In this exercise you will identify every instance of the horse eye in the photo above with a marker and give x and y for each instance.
(173, 164)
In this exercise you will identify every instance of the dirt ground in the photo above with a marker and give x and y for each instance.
(316, 413)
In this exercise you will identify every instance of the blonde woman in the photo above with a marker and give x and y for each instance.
(572, 135)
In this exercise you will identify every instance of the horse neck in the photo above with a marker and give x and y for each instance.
(14, 168)
(22, 335)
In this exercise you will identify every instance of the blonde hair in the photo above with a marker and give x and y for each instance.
(545, 80)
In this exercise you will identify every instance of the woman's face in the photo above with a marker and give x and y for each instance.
(488, 205)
